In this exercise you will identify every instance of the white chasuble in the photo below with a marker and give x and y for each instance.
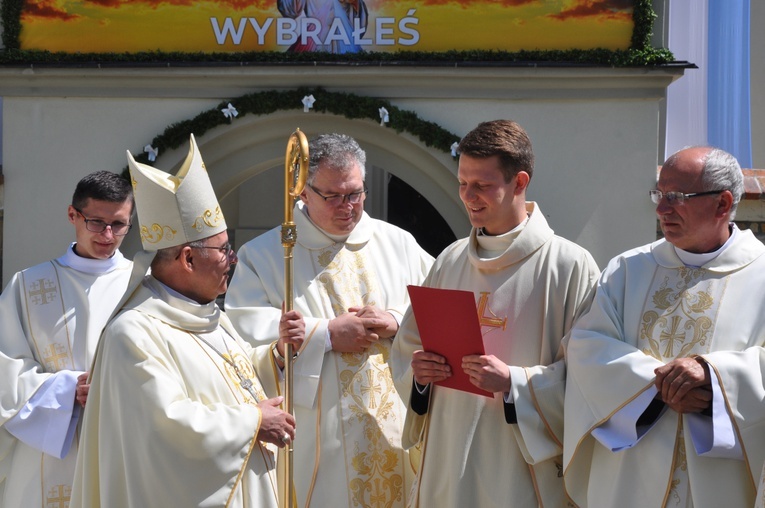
(51, 317)
(528, 296)
(347, 451)
(170, 420)
(650, 309)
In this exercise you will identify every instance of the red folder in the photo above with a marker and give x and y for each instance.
(447, 320)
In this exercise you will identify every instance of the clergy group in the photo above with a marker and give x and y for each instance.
(129, 384)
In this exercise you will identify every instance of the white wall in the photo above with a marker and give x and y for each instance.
(594, 132)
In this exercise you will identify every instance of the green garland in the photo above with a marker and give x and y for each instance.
(640, 52)
(264, 103)
(11, 13)
(643, 18)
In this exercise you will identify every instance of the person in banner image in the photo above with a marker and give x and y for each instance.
(51, 316)
(351, 273)
(333, 26)
(664, 401)
(529, 286)
(177, 413)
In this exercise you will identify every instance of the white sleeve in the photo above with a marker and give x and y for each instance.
(48, 420)
(714, 437)
(621, 432)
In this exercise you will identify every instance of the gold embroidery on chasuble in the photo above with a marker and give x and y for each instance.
(49, 330)
(244, 365)
(58, 496)
(368, 400)
(489, 319)
(48, 324)
(56, 357)
(42, 292)
(56, 484)
(678, 321)
(679, 313)
(679, 488)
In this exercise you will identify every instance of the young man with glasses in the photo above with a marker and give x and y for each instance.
(351, 273)
(664, 399)
(51, 316)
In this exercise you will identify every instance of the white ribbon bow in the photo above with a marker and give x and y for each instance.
(230, 112)
(454, 147)
(384, 118)
(308, 101)
(153, 152)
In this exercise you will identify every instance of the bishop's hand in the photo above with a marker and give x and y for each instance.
(275, 424)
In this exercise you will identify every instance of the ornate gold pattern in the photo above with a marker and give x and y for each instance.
(492, 321)
(369, 400)
(58, 496)
(678, 320)
(157, 233)
(678, 491)
(209, 218)
(248, 371)
(56, 358)
(39, 291)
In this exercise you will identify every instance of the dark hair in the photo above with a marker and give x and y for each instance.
(103, 186)
(504, 138)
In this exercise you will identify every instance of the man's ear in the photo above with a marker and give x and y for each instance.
(522, 179)
(724, 203)
(71, 214)
(186, 258)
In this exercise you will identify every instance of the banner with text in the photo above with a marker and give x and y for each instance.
(339, 26)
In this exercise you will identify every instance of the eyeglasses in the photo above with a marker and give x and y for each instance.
(338, 199)
(99, 226)
(227, 250)
(678, 198)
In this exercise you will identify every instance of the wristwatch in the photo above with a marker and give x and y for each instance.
(275, 352)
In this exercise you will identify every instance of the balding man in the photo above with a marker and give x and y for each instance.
(665, 372)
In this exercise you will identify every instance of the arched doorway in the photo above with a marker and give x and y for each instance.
(411, 185)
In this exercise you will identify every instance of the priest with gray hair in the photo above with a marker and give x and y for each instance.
(665, 372)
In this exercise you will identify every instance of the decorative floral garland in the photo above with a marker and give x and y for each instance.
(264, 103)
(640, 52)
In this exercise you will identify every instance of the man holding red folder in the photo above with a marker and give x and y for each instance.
(529, 286)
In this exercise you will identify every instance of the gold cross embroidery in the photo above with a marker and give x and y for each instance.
(39, 292)
(672, 335)
(378, 496)
(56, 359)
(371, 389)
(58, 496)
(492, 321)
